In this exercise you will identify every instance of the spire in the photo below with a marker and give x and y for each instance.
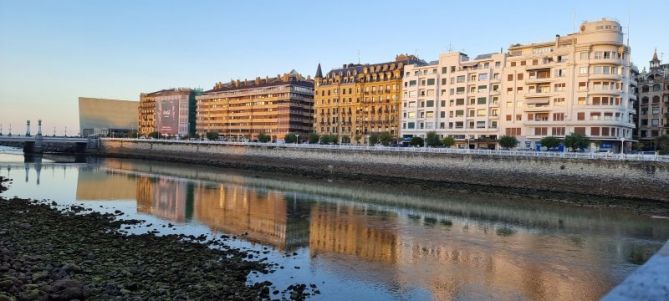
(319, 73)
(655, 59)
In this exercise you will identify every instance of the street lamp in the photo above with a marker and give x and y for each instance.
(297, 141)
(622, 145)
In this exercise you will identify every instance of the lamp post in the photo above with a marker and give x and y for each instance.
(297, 141)
(622, 145)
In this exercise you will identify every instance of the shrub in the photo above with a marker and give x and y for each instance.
(290, 138)
(264, 138)
(314, 138)
(662, 143)
(386, 138)
(329, 139)
(432, 139)
(154, 135)
(508, 142)
(416, 141)
(212, 135)
(448, 141)
(373, 139)
(550, 142)
(576, 141)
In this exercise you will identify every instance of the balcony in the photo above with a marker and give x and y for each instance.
(605, 76)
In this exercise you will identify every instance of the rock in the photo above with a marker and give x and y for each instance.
(66, 289)
(4, 297)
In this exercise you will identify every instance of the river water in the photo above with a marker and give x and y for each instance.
(364, 241)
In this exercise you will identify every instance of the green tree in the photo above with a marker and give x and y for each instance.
(386, 138)
(576, 141)
(155, 135)
(329, 139)
(373, 139)
(448, 141)
(314, 138)
(432, 139)
(508, 142)
(662, 144)
(550, 142)
(290, 138)
(264, 138)
(212, 135)
(416, 141)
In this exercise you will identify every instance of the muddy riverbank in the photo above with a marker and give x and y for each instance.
(72, 253)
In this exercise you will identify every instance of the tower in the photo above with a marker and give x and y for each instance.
(27, 128)
(655, 62)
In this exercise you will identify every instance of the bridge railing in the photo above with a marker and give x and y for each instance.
(436, 150)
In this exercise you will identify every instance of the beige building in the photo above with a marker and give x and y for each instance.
(578, 83)
(455, 96)
(241, 110)
(107, 117)
(169, 112)
(653, 102)
(357, 100)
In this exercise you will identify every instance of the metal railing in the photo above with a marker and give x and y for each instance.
(435, 150)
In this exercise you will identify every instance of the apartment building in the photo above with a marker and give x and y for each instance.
(579, 83)
(170, 112)
(653, 102)
(455, 96)
(241, 110)
(358, 100)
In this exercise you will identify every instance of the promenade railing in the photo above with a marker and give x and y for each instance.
(435, 150)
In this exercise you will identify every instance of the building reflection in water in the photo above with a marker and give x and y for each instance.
(452, 257)
(268, 217)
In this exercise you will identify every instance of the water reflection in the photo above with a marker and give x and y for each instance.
(392, 241)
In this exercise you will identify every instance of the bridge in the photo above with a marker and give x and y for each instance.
(39, 143)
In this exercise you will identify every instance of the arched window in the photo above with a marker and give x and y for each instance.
(644, 100)
(645, 88)
(656, 99)
(657, 87)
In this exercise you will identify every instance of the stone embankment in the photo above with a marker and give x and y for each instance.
(627, 179)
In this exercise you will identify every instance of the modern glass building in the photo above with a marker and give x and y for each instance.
(107, 117)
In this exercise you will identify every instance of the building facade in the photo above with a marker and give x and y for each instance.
(241, 110)
(653, 102)
(579, 83)
(107, 117)
(357, 100)
(169, 112)
(454, 96)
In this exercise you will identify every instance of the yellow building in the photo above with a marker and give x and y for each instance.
(241, 110)
(358, 100)
(147, 114)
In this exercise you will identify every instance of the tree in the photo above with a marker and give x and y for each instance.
(373, 139)
(264, 138)
(329, 139)
(290, 138)
(448, 141)
(416, 141)
(386, 138)
(576, 141)
(155, 135)
(550, 142)
(508, 142)
(313, 138)
(357, 138)
(662, 144)
(212, 135)
(432, 139)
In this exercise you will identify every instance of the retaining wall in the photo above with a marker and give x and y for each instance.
(645, 180)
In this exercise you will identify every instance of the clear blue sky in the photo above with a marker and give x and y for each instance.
(52, 52)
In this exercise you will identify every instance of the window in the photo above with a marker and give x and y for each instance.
(411, 125)
(480, 124)
(581, 100)
(541, 131)
(429, 103)
(581, 116)
(560, 87)
(430, 81)
(444, 70)
(594, 131)
(509, 77)
(460, 79)
(520, 76)
(583, 70)
(582, 86)
(558, 116)
(412, 83)
(519, 117)
(429, 114)
(460, 101)
(558, 101)
(483, 76)
(583, 55)
(442, 114)
(509, 117)
(459, 113)
(579, 130)
(513, 132)
(481, 112)
(481, 101)
(558, 131)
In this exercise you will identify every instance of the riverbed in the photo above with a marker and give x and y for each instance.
(364, 240)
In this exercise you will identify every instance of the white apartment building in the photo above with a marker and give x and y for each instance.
(455, 97)
(579, 83)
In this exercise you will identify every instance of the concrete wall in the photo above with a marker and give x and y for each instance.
(645, 180)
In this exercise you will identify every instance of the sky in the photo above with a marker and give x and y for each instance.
(52, 52)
